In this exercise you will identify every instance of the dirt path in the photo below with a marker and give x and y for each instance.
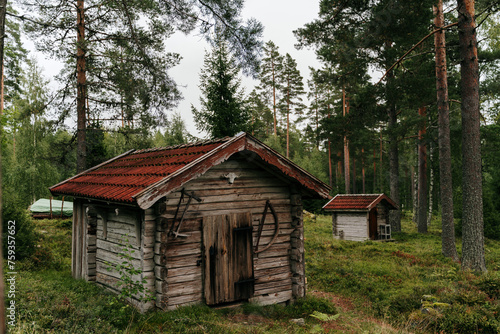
(353, 320)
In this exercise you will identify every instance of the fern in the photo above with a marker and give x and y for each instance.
(325, 317)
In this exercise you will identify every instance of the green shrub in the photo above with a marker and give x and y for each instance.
(490, 284)
(18, 220)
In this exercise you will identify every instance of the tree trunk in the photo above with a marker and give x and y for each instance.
(274, 102)
(472, 202)
(448, 246)
(3, 10)
(414, 193)
(363, 188)
(347, 179)
(330, 172)
(374, 170)
(354, 188)
(339, 169)
(288, 120)
(394, 215)
(422, 176)
(431, 185)
(330, 167)
(81, 160)
(381, 172)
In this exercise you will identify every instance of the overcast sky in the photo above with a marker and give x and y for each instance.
(279, 18)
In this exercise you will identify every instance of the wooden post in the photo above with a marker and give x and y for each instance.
(90, 245)
(148, 233)
(62, 206)
(297, 259)
(160, 249)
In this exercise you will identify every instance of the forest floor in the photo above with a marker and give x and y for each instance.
(404, 286)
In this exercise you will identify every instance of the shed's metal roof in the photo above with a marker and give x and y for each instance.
(142, 177)
(346, 202)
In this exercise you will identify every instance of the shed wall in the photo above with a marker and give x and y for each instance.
(353, 225)
(179, 274)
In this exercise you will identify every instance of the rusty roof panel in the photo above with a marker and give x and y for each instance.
(142, 176)
(346, 202)
(121, 178)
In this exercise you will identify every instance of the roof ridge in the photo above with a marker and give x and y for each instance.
(359, 194)
(192, 144)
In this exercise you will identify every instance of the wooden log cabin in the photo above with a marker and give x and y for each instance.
(360, 217)
(212, 222)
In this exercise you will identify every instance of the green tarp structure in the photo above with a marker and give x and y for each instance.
(42, 206)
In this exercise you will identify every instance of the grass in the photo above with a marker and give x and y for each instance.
(391, 280)
(370, 287)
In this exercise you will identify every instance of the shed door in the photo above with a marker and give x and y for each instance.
(227, 241)
(372, 217)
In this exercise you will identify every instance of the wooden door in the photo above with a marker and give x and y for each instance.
(228, 257)
(372, 221)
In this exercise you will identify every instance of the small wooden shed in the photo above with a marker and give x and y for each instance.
(360, 217)
(212, 222)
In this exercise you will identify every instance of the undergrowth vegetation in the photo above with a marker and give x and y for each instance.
(406, 283)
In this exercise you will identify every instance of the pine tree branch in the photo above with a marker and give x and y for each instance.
(413, 48)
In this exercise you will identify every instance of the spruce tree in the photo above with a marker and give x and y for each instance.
(222, 112)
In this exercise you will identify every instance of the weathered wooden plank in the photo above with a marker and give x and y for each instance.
(189, 270)
(184, 288)
(118, 249)
(276, 250)
(118, 228)
(113, 283)
(117, 238)
(174, 250)
(184, 300)
(243, 196)
(182, 261)
(107, 256)
(125, 216)
(265, 240)
(262, 273)
(229, 189)
(273, 287)
(255, 206)
(274, 298)
(185, 278)
(271, 262)
(110, 270)
(282, 212)
(254, 173)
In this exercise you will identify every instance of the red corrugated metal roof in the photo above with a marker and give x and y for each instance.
(345, 202)
(120, 178)
(142, 177)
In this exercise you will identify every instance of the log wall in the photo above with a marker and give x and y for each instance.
(116, 227)
(178, 270)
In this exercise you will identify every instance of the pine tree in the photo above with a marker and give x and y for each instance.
(445, 179)
(472, 202)
(292, 90)
(222, 112)
(261, 117)
(271, 70)
(122, 65)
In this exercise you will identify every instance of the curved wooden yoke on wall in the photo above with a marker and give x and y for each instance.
(261, 226)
